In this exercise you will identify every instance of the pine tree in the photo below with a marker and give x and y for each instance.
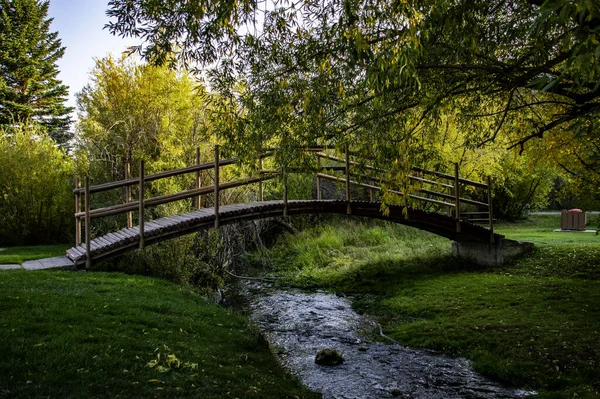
(29, 88)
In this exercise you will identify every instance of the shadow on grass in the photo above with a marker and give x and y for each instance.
(581, 261)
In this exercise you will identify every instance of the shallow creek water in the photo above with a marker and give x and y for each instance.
(298, 324)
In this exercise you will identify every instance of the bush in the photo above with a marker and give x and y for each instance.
(201, 259)
(525, 187)
(36, 202)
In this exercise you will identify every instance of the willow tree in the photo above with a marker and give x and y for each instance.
(129, 112)
(379, 74)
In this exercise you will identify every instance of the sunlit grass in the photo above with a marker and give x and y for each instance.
(539, 229)
(342, 252)
(98, 335)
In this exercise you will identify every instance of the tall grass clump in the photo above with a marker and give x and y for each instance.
(342, 250)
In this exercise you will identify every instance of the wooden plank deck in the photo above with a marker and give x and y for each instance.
(125, 240)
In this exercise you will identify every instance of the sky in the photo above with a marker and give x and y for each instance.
(79, 24)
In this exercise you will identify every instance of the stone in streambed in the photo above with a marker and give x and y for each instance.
(329, 357)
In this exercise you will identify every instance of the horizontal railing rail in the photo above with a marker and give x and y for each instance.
(415, 169)
(359, 184)
(167, 198)
(444, 193)
(161, 175)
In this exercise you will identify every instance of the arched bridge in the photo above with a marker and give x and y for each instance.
(433, 203)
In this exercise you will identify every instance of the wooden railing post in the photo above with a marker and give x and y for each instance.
(77, 210)
(128, 194)
(419, 203)
(285, 192)
(457, 197)
(216, 192)
(88, 259)
(260, 183)
(348, 208)
(198, 181)
(319, 193)
(142, 189)
(405, 199)
(490, 209)
(450, 192)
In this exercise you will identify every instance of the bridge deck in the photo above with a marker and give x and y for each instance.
(125, 240)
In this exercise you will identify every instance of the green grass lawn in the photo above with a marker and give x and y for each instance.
(18, 255)
(98, 335)
(556, 254)
(540, 230)
(534, 323)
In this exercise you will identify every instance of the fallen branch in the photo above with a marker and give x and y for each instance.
(383, 335)
(286, 226)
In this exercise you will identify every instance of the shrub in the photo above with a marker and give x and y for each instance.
(36, 203)
(201, 259)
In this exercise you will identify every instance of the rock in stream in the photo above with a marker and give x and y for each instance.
(298, 325)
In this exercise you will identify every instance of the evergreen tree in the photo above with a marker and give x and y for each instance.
(29, 88)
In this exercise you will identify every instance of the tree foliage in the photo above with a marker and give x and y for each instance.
(29, 88)
(376, 73)
(36, 179)
(578, 156)
(132, 112)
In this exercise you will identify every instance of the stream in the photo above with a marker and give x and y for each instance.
(298, 324)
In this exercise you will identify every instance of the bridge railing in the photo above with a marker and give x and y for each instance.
(84, 212)
(445, 192)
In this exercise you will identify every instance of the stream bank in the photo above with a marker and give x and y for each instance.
(299, 324)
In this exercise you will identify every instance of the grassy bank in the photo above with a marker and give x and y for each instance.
(18, 255)
(534, 323)
(97, 335)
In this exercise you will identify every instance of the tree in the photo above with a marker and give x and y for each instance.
(131, 112)
(29, 88)
(36, 182)
(385, 76)
(378, 73)
(578, 156)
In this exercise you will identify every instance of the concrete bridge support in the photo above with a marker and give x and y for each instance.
(497, 254)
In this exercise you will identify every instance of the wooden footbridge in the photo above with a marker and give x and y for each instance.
(433, 203)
